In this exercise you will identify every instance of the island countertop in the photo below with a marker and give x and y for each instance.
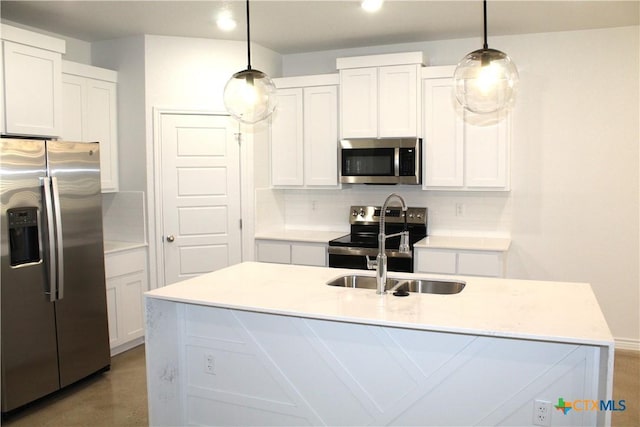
(523, 309)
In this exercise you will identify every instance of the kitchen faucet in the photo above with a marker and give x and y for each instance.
(380, 262)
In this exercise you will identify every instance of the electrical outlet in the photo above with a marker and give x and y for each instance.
(459, 209)
(541, 413)
(209, 364)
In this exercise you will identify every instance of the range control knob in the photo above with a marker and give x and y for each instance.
(361, 212)
(354, 213)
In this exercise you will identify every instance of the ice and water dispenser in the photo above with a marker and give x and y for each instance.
(24, 245)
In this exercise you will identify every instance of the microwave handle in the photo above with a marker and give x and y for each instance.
(396, 161)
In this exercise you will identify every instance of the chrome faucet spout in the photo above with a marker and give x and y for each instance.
(381, 259)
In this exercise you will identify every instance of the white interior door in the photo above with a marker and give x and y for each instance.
(200, 194)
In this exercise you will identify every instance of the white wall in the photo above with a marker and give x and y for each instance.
(573, 211)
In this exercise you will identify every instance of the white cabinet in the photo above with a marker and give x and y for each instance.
(380, 96)
(32, 83)
(304, 132)
(461, 153)
(285, 252)
(126, 274)
(89, 114)
(460, 262)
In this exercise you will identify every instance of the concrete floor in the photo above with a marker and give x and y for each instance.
(116, 398)
(119, 397)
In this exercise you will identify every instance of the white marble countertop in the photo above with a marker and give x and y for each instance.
(465, 243)
(533, 310)
(111, 246)
(309, 236)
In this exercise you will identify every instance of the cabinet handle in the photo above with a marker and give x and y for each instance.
(171, 238)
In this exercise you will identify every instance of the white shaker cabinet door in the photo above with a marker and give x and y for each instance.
(32, 89)
(74, 110)
(102, 126)
(89, 114)
(287, 139)
(443, 136)
(398, 101)
(321, 136)
(487, 154)
(359, 102)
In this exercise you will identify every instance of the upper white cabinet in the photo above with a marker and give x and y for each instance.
(32, 83)
(89, 113)
(461, 153)
(304, 132)
(380, 95)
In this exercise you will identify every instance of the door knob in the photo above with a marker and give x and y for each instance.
(171, 238)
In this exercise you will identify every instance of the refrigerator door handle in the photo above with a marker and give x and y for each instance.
(59, 244)
(48, 204)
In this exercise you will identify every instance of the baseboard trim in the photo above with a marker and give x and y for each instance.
(127, 346)
(627, 344)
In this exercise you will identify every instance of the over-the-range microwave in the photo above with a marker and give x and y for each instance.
(381, 161)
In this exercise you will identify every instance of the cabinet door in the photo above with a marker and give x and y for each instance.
(487, 154)
(74, 95)
(435, 261)
(287, 139)
(309, 254)
(443, 136)
(359, 103)
(32, 89)
(276, 252)
(398, 101)
(102, 126)
(321, 136)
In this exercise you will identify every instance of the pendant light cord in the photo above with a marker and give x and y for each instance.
(485, 45)
(249, 39)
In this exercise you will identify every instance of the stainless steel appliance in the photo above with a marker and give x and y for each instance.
(381, 161)
(53, 306)
(354, 249)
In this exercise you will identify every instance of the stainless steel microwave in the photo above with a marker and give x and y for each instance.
(381, 161)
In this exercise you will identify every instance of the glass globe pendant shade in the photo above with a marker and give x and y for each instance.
(249, 96)
(485, 81)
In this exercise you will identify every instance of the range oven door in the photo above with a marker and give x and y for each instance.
(356, 258)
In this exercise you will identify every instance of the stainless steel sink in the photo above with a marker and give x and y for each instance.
(425, 286)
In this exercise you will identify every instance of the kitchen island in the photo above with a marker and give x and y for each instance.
(269, 344)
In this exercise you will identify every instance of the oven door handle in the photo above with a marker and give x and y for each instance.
(391, 253)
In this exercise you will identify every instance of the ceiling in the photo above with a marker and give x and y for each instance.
(306, 25)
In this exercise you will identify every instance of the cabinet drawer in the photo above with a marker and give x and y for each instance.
(309, 255)
(118, 264)
(436, 261)
(480, 264)
(274, 252)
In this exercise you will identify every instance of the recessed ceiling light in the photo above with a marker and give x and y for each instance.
(225, 20)
(371, 5)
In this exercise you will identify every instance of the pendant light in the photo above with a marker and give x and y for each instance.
(485, 80)
(249, 95)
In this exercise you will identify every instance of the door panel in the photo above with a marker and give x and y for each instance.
(200, 194)
(81, 311)
(29, 359)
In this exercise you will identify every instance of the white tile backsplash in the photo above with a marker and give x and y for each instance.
(123, 216)
(484, 213)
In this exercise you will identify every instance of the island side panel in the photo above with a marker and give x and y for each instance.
(244, 368)
(164, 349)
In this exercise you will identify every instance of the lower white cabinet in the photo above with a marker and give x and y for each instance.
(460, 262)
(283, 252)
(126, 274)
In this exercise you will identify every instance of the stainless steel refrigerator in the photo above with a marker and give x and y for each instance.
(53, 297)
